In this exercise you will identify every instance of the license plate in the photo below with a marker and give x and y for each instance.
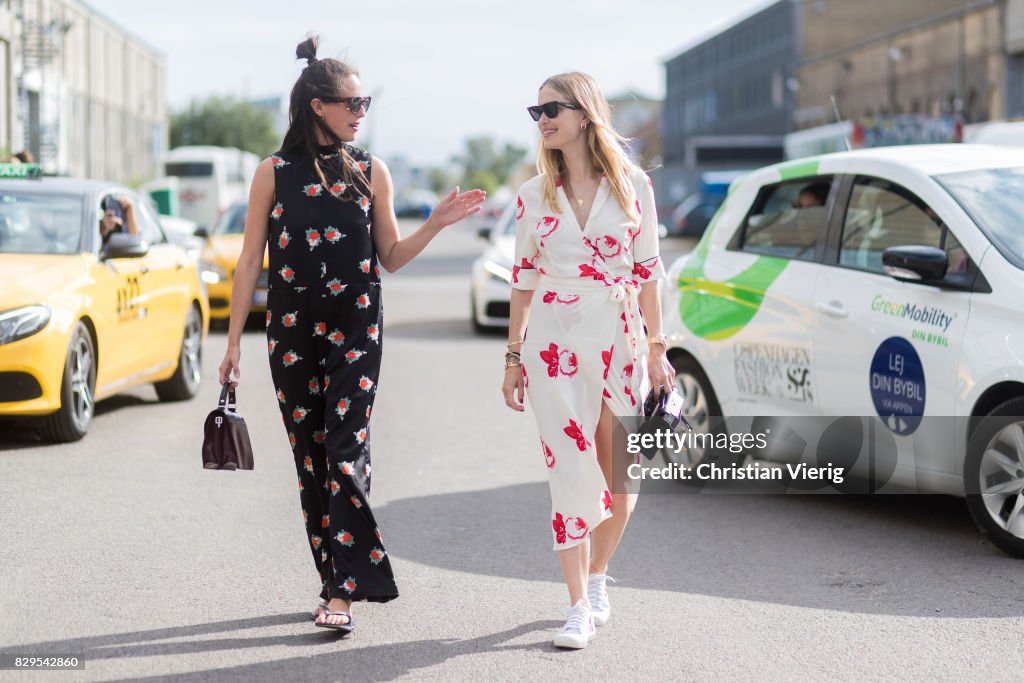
(259, 297)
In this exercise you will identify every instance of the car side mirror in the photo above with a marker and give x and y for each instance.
(201, 232)
(484, 233)
(124, 245)
(915, 263)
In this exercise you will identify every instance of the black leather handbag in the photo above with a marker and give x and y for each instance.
(663, 411)
(226, 443)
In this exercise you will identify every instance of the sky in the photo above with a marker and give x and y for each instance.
(439, 71)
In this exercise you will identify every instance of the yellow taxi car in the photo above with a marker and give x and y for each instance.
(82, 318)
(219, 260)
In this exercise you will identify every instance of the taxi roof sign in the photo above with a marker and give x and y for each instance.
(19, 171)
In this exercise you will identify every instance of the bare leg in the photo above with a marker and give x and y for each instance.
(607, 535)
(574, 563)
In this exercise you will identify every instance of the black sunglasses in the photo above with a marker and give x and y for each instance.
(353, 104)
(549, 109)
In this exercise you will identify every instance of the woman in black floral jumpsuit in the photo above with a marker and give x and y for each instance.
(324, 210)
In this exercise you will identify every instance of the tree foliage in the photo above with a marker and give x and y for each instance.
(225, 122)
(485, 166)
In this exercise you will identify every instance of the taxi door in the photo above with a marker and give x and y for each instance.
(166, 296)
(889, 348)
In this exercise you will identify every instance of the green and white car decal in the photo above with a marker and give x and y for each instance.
(719, 310)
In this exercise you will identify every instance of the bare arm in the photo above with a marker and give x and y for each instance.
(393, 251)
(513, 387)
(659, 369)
(250, 262)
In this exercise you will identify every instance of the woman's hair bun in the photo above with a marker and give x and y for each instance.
(307, 49)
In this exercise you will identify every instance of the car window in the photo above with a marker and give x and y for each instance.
(880, 215)
(149, 228)
(40, 223)
(994, 199)
(788, 219)
(232, 222)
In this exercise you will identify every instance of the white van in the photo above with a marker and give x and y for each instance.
(209, 179)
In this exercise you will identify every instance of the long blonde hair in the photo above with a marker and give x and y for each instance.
(605, 145)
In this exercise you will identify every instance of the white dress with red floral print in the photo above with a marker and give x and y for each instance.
(585, 338)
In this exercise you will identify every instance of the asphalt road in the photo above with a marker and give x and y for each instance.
(122, 550)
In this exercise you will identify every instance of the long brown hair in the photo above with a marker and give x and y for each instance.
(319, 79)
(605, 145)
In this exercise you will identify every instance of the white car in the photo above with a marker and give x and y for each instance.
(896, 304)
(491, 287)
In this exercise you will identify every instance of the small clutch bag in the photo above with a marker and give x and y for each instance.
(663, 411)
(226, 443)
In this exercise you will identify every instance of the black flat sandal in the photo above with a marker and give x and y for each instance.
(344, 628)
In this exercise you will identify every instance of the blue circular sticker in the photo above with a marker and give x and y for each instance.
(897, 385)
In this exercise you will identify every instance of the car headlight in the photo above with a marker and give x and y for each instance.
(211, 273)
(498, 272)
(19, 323)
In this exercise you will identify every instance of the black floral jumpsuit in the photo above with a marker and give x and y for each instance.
(324, 339)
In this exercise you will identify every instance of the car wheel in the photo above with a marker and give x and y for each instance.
(184, 383)
(77, 390)
(701, 408)
(994, 476)
(478, 327)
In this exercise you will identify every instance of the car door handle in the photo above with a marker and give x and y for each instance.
(834, 309)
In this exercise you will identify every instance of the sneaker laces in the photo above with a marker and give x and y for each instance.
(577, 618)
(597, 586)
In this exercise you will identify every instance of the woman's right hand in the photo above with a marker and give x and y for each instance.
(513, 387)
(229, 365)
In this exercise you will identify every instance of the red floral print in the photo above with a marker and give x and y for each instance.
(347, 468)
(313, 190)
(336, 337)
(558, 524)
(376, 555)
(353, 355)
(307, 464)
(547, 226)
(575, 432)
(332, 235)
(291, 439)
(342, 407)
(320, 329)
(520, 208)
(283, 239)
(360, 435)
(559, 361)
(356, 502)
(287, 274)
(345, 538)
(549, 457)
(373, 332)
(319, 436)
(364, 265)
(349, 584)
(299, 414)
(365, 383)
(277, 161)
(608, 247)
(290, 358)
(591, 272)
(314, 386)
(325, 522)
(606, 499)
(315, 541)
(289, 319)
(362, 301)
(312, 238)
(335, 287)
(276, 213)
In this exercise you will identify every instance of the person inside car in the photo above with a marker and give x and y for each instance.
(118, 216)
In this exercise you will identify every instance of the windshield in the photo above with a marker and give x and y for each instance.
(189, 169)
(994, 198)
(40, 223)
(233, 221)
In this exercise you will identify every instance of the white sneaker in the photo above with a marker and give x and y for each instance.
(597, 592)
(578, 629)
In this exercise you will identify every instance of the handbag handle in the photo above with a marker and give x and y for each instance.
(227, 396)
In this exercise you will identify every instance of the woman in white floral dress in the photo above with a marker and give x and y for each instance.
(586, 266)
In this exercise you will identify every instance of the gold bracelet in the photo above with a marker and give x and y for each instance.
(512, 361)
(658, 339)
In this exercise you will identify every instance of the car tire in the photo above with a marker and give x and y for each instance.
(184, 383)
(701, 407)
(995, 461)
(77, 390)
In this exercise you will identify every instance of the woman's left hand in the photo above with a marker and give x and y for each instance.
(659, 371)
(454, 207)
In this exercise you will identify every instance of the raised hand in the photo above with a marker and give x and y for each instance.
(454, 207)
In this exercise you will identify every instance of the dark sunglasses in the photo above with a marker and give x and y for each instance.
(353, 104)
(549, 109)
